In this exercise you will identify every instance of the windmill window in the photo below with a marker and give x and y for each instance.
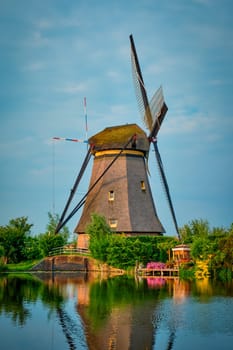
(143, 187)
(113, 223)
(111, 195)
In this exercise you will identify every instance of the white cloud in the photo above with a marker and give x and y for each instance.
(56, 22)
(72, 88)
(180, 124)
(44, 23)
(115, 75)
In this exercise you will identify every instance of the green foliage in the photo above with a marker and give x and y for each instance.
(121, 252)
(52, 225)
(225, 274)
(33, 248)
(118, 292)
(187, 272)
(17, 245)
(18, 291)
(2, 251)
(49, 240)
(13, 237)
(99, 232)
(223, 256)
(98, 228)
(201, 248)
(213, 245)
(196, 228)
(22, 266)
(2, 259)
(125, 252)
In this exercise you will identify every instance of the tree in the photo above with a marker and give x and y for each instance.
(201, 248)
(224, 254)
(195, 228)
(32, 248)
(13, 237)
(52, 225)
(49, 240)
(99, 232)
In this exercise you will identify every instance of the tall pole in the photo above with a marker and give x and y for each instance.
(85, 113)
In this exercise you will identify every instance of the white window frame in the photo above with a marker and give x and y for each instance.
(111, 196)
(113, 223)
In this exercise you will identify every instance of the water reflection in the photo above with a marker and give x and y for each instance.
(95, 312)
(119, 313)
(16, 292)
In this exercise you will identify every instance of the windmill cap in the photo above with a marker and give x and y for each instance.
(116, 137)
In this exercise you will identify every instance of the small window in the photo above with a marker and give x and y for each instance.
(112, 223)
(111, 195)
(143, 187)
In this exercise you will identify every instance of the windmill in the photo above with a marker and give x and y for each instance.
(119, 187)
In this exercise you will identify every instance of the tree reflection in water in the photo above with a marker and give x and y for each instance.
(120, 313)
(17, 291)
(117, 313)
(109, 313)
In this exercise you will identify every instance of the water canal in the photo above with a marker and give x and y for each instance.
(64, 311)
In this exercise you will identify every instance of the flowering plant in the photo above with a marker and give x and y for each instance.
(155, 265)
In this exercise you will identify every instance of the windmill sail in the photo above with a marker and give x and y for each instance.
(62, 221)
(140, 90)
(153, 114)
(156, 103)
(166, 187)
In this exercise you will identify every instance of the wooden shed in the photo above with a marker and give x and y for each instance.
(181, 254)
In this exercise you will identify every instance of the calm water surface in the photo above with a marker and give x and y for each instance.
(85, 312)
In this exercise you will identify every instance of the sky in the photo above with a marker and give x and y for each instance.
(53, 53)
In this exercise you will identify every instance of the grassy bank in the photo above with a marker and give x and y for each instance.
(20, 267)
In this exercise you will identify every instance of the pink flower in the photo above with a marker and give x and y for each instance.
(155, 265)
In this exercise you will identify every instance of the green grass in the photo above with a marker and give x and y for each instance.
(22, 266)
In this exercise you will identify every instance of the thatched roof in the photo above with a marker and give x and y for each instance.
(117, 136)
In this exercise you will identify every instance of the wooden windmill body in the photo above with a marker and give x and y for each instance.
(123, 195)
(119, 188)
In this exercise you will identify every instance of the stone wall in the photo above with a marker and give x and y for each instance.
(62, 263)
(73, 263)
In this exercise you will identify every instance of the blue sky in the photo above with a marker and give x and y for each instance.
(55, 53)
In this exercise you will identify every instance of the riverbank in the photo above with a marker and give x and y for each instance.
(84, 264)
(62, 263)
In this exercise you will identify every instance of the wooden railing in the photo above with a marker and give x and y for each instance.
(68, 251)
(144, 272)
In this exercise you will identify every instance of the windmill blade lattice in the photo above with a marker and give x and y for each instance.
(166, 187)
(140, 90)
(156, 103)
(153, 114)
(73, 190)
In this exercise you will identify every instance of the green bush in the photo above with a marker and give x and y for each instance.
(124, 252)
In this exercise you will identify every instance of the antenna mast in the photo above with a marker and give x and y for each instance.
(85, 113)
